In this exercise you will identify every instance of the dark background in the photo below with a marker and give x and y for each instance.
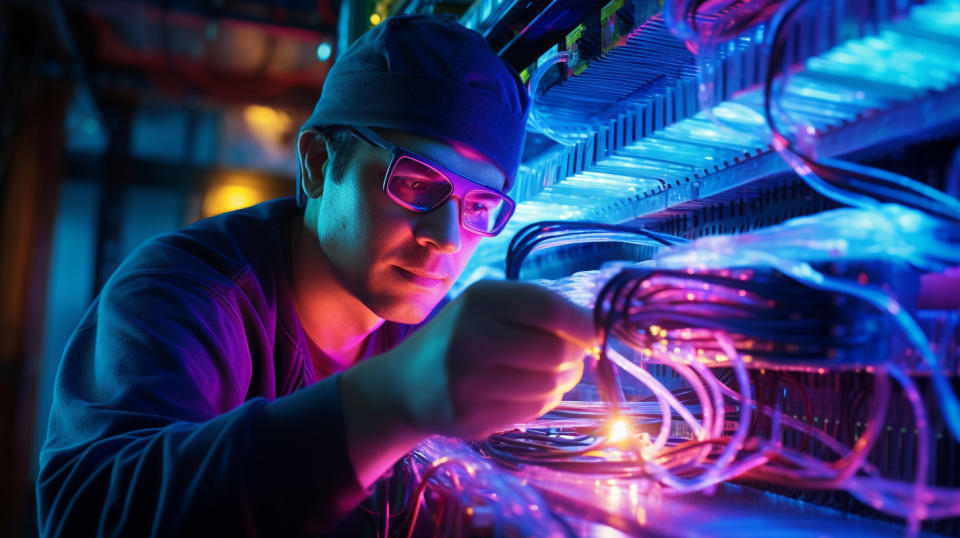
(120, 120)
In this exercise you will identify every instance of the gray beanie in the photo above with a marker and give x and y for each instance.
(431, 76)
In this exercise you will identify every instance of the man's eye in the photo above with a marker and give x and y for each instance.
(478, 207)
(414, 184)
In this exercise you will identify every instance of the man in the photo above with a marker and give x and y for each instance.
(215, 386)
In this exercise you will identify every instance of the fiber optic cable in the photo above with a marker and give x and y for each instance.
(537, 119)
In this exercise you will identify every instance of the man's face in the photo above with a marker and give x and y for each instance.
(397, 262)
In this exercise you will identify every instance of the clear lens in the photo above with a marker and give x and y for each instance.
(485, 211)
(418, 185)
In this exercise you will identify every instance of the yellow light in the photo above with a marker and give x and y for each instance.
(268, 125)
(654, 330)
(619, 431)
(230, 196)
(263, 116)
(721, 357)
(375, 19)
(691, 296)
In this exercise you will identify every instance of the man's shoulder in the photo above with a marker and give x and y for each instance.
(225, 245)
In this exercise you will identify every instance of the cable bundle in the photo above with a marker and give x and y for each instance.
(706, 23)
(769, 317)
(849, 183)
(552, 234)
(751, 299)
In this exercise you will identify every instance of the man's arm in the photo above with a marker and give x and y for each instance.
(153, 432)
(491, 358)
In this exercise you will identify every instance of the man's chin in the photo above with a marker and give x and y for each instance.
(409, 310)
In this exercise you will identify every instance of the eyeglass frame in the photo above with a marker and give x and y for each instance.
(461, 185)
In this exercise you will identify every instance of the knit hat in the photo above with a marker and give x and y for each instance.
(431, 76)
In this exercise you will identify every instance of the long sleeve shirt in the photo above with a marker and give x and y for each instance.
(179, 406)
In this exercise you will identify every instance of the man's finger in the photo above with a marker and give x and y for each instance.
(569, 376)
(532, 305)
(526, 347)
(515, 385)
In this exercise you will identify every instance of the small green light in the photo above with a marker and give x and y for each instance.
(323, 51)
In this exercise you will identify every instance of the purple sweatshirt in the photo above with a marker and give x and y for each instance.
(178, 408)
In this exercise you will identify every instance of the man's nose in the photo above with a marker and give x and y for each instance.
(440, 228)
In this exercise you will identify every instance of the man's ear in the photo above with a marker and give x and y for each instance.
(314, 160)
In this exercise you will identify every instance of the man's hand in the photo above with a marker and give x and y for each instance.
(492, 357)
(500, 353)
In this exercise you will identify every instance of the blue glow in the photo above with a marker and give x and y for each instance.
(82, 126)
(902, 63)
(323, 51)
(91, 126)
(739, 113)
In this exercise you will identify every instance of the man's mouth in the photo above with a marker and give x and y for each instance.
(424, 280)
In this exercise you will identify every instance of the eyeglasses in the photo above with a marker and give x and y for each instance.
(420, 184)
